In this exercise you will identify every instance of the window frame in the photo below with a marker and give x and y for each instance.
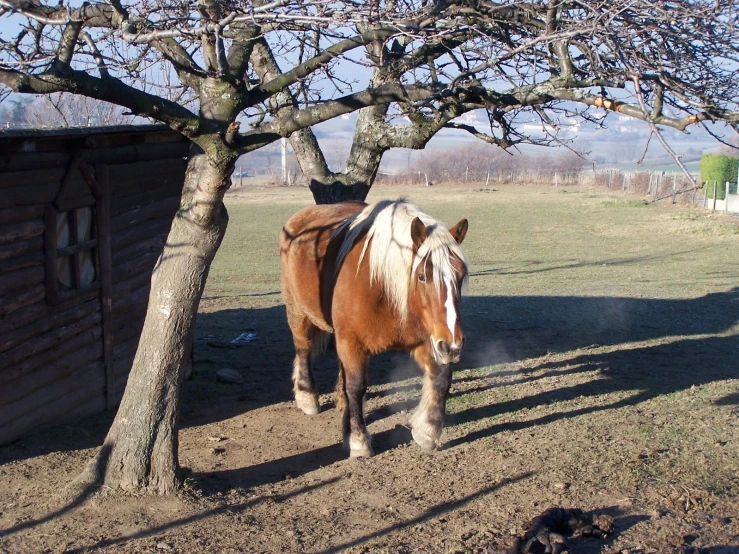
(54, 294)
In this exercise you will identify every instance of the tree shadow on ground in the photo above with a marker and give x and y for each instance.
(290, 467)
(429, 514)
(200, 516)
(650, 371)
(66, 499)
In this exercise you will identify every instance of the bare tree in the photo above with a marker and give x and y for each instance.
(200, 67)
(207, 47)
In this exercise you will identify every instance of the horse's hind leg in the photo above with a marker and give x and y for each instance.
(305, 336)
(353, 375)
(428, 418)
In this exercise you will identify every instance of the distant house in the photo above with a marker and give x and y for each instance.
(83, 218)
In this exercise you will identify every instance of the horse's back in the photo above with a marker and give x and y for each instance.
(304, 242)
(316, 220)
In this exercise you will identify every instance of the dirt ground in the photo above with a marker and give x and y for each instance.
(600, 372)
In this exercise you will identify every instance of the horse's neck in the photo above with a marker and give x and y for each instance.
(411, 329)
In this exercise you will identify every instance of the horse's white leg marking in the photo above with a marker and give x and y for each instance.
(424, 432)
(359, 442)
(306, 401)
(360, 445)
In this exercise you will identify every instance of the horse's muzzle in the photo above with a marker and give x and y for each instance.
(446, 353)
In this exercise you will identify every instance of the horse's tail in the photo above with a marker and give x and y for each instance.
(340, 394)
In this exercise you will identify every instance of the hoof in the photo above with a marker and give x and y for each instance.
(361, 452)
(426, 443)
(359, 447)
(307, 402)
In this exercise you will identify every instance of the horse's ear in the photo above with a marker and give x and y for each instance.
(459, 231)
(418, 232)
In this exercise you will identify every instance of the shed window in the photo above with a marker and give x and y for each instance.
(72, 259)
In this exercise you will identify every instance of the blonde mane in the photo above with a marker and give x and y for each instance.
(386, 227)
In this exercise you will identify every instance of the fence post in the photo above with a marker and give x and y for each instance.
(487, 180)
(705, 196)
(726, 198)
(714, 196)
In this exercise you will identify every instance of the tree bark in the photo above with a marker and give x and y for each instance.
(361, 166)
(140, 450)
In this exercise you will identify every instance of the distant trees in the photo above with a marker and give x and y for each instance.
(480, 161)
(13, 112)
(66, 110)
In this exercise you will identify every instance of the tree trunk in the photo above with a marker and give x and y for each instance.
(140, 451)
(362, 165)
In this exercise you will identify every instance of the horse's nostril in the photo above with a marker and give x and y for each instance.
(443, 347)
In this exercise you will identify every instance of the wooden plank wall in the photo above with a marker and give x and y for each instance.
(140, 221)
(51, 357)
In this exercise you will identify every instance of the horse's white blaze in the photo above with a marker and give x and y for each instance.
(451, 313)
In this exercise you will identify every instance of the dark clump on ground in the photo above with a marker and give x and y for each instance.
(548, 530)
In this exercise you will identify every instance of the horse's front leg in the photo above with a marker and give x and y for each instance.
(353, 367)
(428, 418)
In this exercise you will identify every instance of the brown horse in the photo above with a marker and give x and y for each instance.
(381, 277)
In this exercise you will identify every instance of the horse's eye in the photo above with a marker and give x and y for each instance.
(422, 277)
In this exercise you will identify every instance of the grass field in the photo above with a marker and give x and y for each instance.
(600, 372)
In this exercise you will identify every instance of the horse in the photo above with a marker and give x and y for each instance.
(378, 277)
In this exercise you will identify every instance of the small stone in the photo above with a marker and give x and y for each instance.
(561, 486)
(218, 450)
(216, 439)
(228, 375)
(164, 546)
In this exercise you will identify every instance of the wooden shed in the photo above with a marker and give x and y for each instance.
(83, 217)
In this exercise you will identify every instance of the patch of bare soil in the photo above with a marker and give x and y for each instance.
(636, 427)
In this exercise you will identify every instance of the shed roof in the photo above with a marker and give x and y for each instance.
(81, 131)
